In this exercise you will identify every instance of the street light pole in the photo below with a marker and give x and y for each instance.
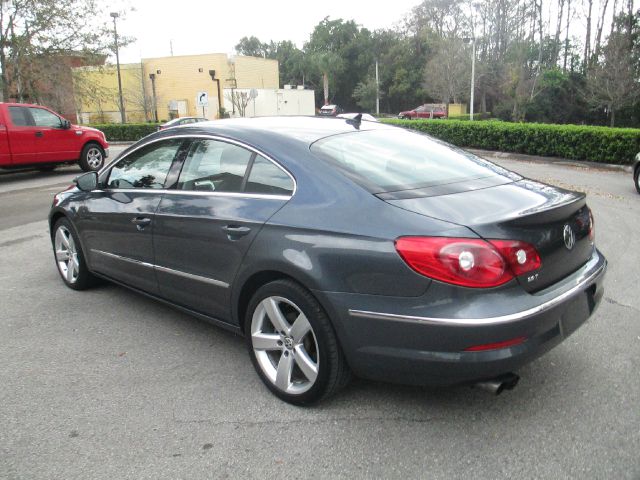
(115, 15)
(377, 90)
(152, 76)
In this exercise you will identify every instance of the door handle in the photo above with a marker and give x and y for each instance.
(141, 222)
(236, 231)
(39, 134)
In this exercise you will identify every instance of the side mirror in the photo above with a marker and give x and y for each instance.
(66, 124)
(87, 182)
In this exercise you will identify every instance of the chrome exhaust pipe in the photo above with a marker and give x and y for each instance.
(495, 386)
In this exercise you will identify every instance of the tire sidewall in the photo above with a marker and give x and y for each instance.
(319, 322)
(636, 178)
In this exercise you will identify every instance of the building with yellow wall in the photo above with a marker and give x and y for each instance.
(168, 87)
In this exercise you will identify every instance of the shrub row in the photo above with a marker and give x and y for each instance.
(594, 144)
(128, 132)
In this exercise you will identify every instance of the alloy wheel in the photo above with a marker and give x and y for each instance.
(67, 255)
(94, 158)
(285, 345)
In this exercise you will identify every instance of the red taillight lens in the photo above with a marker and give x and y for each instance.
(468, 262)
(497, 345)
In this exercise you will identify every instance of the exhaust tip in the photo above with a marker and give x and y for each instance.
(497, 385)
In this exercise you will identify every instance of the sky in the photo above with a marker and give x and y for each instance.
(197, 26)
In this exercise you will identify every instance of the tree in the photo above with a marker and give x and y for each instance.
(240, 101)
(251, 47)
(32, 28)
(446, 74)
(614, 83)
(365, 94)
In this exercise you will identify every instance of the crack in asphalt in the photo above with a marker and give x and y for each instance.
(615, 302)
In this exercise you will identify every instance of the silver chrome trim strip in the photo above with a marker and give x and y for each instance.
(489, 320)
(211, 137)
(195, 193)
(190, 276)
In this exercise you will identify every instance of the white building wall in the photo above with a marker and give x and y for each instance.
(272, 102)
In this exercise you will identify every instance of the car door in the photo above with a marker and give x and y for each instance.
(22, 136)
(55, 143)
(203, 228)
(117, 221)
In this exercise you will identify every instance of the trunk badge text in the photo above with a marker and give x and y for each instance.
(569, 237)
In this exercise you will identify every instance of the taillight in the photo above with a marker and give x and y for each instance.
(468, 262)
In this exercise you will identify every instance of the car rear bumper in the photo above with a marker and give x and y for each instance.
(401, 340)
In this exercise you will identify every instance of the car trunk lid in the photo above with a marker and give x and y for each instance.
(555, 221)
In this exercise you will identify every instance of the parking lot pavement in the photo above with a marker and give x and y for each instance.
(109, 384)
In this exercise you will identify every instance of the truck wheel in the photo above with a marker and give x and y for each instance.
(92, 157)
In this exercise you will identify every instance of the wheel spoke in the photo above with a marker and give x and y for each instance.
(306, 365)
(62, 255)
(275, 315)
(300, 328)
(283, 375)
(61, 238)
(265, 341)
(70, 269)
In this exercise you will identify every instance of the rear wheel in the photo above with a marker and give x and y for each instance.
(292, 344)
(636, 178)
(92, 157)
(69, 257)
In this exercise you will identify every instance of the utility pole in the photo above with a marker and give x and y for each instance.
(377, 90)
(473, 76)
(115, 15)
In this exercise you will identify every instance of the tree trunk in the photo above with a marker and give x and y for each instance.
(600, 26)
(613, 118)
(325, 86)
(566, 38)
(587, 38)
(556, 41)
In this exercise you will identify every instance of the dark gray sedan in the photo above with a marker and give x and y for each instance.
(337, 246)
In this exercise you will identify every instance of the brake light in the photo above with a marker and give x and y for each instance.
(468, 262)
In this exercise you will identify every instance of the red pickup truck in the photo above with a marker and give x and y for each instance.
(32, 135)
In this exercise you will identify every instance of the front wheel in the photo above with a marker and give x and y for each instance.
(292, 344)
(69, 257)
(92, 157)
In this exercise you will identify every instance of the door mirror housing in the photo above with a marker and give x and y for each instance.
(66, 124)
(87, 182)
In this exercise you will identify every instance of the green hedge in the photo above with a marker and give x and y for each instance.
(476, 116)
(594, 144)
(129, 132)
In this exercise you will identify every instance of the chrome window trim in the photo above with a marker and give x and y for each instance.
(195, 193)
(199, 278)
(582, 284)
(207, 137)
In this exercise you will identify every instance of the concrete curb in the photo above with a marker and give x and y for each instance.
(490, 155)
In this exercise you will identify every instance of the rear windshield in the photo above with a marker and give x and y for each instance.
(394, 160)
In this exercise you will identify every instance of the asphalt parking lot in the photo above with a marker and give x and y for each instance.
(109, 384)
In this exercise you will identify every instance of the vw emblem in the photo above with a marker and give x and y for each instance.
(569, 237)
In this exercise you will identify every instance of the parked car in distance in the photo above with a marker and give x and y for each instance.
(337, 246)
(33, 135)
(330, 110)
(427, 110)
(636, 172)
(363, 116)
(176, 122)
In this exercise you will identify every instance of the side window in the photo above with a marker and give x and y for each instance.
(214, 166)
(266, 178)
(20, 116)
(145, 168)
(44, 118)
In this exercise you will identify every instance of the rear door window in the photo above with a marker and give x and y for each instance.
(20, 116)
(214, 166)
(267, 178)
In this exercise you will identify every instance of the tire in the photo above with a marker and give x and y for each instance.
(636, 178)
(287, 331)
(92, 157)
(69, 257)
